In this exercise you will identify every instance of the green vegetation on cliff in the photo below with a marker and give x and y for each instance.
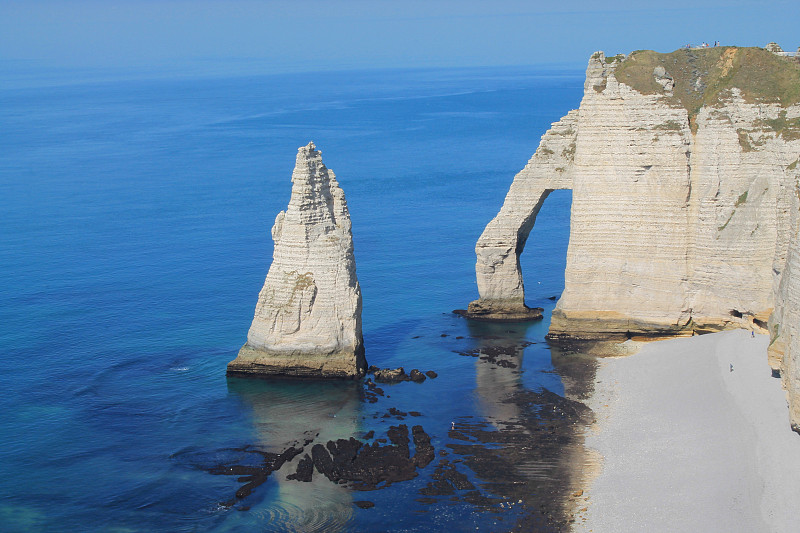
(703, 76)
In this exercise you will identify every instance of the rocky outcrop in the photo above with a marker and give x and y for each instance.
(308, 317)
(773, 47)
(682, 176)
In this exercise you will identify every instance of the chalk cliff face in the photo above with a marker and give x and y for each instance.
(784, 324)
(683, 170)
(308, 316)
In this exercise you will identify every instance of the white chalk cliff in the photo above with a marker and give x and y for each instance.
(784, 324)
(682, 184)
(685, 203)
(307, 320)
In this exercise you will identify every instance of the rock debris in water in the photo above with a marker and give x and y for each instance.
(358, 465)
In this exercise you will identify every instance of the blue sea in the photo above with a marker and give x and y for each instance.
(136, 214)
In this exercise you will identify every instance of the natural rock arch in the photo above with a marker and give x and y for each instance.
(679, 213)
(500, 283)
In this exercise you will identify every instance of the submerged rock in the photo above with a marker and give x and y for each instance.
(248, 464)
(416, 376)
(307, 320)
(351, 462)
(368, 467)
(390, 375)
(398, 375)
(446, 480)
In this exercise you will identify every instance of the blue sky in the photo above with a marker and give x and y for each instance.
(307, 35)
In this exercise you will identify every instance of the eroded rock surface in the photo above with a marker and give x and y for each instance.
(307, 320)
(784, 325)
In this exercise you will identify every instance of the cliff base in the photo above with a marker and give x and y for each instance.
(256, 362)
(609, 325)
(500, 311)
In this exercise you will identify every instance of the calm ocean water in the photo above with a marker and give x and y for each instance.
(135, 238)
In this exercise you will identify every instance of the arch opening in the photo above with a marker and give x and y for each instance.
(542, 266)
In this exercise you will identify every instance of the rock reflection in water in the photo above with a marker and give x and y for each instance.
(301, 413)
(498, 369)
(527, 451)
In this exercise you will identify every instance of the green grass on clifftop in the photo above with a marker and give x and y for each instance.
(702, 77)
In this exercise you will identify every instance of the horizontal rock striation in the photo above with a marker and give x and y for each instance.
(681, 167)
(784, 324)
(307, 320)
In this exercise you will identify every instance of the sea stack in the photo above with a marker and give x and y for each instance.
(307, 320)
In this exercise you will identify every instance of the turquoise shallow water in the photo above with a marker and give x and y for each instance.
(136, 217)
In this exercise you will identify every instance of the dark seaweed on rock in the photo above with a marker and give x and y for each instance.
(363, 504)
(350, 461)
(502, 355)
(394, 412)
(398, 375)
(372, 391)
(446, 480)
(364, 466)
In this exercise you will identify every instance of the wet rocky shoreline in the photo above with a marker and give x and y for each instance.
(520, 462)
